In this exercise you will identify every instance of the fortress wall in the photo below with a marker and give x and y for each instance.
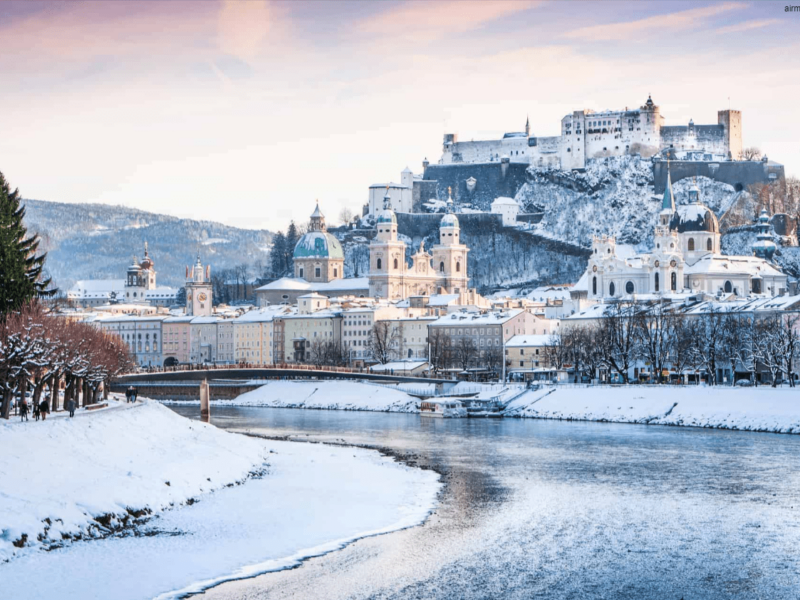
(739, 174)
(492, 180)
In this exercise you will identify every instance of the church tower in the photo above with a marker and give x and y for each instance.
(198, 290)
(387, 256)
(450, 255)
(140, 278)
(318, 256)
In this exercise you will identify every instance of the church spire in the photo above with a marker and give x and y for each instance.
(527, 126)
(668, 202)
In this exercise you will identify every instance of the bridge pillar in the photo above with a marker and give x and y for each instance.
(205, 404)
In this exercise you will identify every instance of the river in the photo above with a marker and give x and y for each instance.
(550, 509)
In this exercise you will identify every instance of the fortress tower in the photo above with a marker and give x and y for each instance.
(731, 120)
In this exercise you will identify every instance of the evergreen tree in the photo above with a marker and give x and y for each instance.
(180, 297)
(292, 236)
(277, 255)
(21, 277)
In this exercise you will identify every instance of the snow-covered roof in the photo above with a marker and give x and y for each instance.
(391, 184)
(504, 200)
(732, 265)
(343, 285)
(286, 283)
(487, 318)
(530, 340)
(205, 320)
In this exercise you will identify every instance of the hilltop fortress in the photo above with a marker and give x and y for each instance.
(587, 134)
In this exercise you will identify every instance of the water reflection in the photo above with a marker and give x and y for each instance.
(560, 510)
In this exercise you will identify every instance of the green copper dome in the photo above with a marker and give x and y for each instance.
(318, 244)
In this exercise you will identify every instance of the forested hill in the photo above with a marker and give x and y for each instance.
(98, 241)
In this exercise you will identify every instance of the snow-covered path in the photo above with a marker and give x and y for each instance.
(313, 499)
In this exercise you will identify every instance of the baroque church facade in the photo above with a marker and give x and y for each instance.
(442, 271)
(686, 258)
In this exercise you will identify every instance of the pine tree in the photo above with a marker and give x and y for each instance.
(21, 277)
(292, 236)
(278, 254)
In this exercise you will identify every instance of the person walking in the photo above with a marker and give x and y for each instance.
(36, 412)
(71, 407)
(44, 408)
(135, 393)
(128, 394)
(23, 410)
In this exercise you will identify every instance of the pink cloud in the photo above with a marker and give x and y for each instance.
(633, 29)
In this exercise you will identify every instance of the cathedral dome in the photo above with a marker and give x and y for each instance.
(694, 217)
(449, 220)
(318, 244)
(387, 216)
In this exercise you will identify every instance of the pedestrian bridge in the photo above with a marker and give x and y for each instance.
(230, 382)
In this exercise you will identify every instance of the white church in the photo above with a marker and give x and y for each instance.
(686, 259)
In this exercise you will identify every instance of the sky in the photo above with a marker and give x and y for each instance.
(246, 112)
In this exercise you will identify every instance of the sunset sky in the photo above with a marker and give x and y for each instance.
(246, 112)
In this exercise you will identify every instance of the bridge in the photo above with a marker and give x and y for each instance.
(229, 382)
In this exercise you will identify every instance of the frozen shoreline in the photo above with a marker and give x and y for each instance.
(763, 409)
(313, 499)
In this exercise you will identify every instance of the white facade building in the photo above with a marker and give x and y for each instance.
(508, 209)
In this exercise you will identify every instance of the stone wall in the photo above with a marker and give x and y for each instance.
(739, 174)
(491, 181)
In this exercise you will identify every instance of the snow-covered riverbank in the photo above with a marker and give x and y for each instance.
(79, 477)
(722, 407)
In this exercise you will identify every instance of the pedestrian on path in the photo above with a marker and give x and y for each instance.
(44, 408)
(135, 393)
(129, 393)
(71, 407)
(23, 410)
(36, 412)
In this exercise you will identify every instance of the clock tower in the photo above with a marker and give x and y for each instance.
(198, 290)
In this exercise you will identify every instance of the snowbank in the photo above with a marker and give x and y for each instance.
(68, 478)
(753, 409)
(331, 395)
(312, 500)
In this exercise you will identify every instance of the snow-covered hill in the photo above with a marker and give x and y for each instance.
(97, 241)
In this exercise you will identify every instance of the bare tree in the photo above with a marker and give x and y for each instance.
(751, 153)
(438, 344)
(708, 332)
(345, 215)
(384, 341)
(493, 358)
(618, 339)
(558, 349)
(655, 336)
(465, 350)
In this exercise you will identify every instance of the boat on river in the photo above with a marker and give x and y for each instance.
(445, 408)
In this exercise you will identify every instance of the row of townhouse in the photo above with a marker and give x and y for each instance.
(300, 333)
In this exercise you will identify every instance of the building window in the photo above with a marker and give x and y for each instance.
(691, 244)
(673, 283)
(335, 272)
(395, 263)
(594, 285)
(441, 267)
(379, 264)
(708, 244)
(656, 286)
(629, 287)
(301, 275)
(458, 267)
(317, 272)
(611, 289)
(756, 286)
(728, 287)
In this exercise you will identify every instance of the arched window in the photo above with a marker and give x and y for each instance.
(458, 267)
(656, 282)
(629, 287)
(728, 287)
(441, 267)
(611, 289)
(395, 263)
(709, 247)
(673, 281)
(335, 272)
(691, 244)
(379, 264)
(756, 286)
(594, 285)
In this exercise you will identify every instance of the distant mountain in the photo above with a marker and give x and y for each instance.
(98, 241)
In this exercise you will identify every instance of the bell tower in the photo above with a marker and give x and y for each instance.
(198, 290)
(450, 255)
